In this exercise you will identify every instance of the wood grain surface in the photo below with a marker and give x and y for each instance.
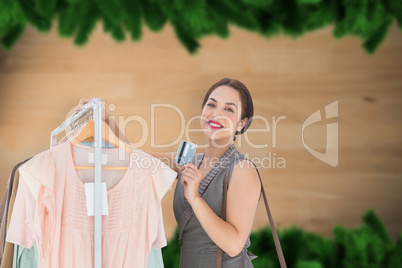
(44, 77)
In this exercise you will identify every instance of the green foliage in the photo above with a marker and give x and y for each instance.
(153, 15)
(308, 264)
(395, 257)
(366, 246)
(171, 253)
(9, 38)
(10, 16)
(194, 19)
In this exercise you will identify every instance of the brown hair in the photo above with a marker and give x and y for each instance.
(246, 100)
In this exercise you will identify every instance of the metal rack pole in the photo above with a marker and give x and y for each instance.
(98, 185)
(96, 106)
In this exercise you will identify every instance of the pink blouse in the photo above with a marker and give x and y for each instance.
(50, 208)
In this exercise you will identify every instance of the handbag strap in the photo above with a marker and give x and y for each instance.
(278, 247)
(223, 216)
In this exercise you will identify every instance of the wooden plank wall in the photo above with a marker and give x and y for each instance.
(44, 76)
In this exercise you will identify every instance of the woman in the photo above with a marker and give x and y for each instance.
(227, 110)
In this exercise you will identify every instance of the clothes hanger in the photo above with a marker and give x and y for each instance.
(86, 133)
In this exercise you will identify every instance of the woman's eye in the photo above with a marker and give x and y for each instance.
(213, 105)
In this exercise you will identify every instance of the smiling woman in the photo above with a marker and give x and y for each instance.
(227, 110)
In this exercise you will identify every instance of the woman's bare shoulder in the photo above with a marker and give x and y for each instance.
(245, 172)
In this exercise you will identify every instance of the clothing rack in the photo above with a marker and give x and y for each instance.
(95, 106)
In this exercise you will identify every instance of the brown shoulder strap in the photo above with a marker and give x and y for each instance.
(271, 222)
(273, 229)
(223, 216)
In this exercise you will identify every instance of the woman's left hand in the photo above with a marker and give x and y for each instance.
(190, 179)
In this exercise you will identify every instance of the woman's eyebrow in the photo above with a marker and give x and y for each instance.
(229, 103)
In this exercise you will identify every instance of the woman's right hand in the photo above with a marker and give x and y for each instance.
(84, 101)
(82, 104)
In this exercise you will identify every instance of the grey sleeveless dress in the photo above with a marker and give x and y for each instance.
(197, 249)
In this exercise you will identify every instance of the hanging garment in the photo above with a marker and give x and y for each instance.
(57, 217)
(3, 211)
(28, 258)
(16, 256)
(3, 217)
(20, 257)
(155, 259)
(25, 257)
(12, 186)
(197, 249)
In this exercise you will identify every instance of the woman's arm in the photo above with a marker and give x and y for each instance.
(242, 199)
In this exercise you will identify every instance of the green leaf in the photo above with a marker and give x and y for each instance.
(154, 17)
(186, 39)
(37, 20)
(11, 37)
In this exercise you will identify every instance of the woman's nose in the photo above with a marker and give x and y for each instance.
(215, 114)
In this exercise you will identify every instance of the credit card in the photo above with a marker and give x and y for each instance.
(185, 153)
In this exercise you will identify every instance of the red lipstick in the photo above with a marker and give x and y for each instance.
(214, 124)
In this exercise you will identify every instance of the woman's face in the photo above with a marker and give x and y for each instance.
(220, 117)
